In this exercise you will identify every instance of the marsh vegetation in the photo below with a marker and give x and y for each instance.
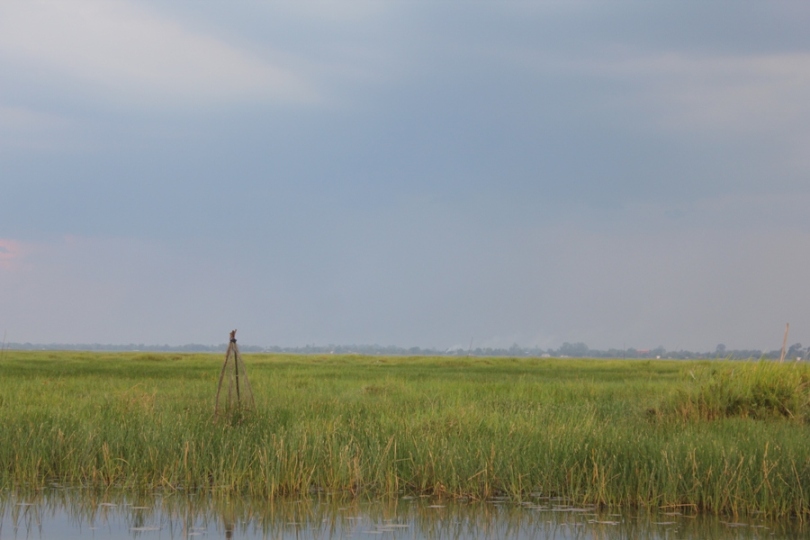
(716, 437)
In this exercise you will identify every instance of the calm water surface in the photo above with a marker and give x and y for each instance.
(73, 513)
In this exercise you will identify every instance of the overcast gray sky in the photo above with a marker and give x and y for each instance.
(627, 174)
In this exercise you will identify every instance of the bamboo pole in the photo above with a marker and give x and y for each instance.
(236, 373)
(231, 346)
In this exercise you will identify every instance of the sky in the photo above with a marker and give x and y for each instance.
(405, 173)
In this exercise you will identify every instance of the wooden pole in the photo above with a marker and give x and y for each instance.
(236, 372)
(231, 350)
(235, 348)
(221, 376)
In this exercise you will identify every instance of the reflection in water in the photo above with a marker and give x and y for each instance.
(77, 513)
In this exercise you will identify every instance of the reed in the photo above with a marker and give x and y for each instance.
(760, 390)
(629, 433)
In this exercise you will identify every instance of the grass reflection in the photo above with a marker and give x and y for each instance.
(173, 515)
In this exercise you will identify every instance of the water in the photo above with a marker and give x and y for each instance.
(73, 514)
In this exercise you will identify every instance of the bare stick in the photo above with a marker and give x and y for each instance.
(221, 376)
(236, 371)
(784, 343)
(231, 346)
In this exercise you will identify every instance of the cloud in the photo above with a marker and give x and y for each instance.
(730, 94)
(23, 128)
(334, 10)
(10, 252)
(726, 93)
(89, 289)
(127, 53)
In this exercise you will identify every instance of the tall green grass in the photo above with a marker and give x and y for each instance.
(630, 433)
(763, 390)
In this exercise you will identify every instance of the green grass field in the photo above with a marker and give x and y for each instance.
(723, 437)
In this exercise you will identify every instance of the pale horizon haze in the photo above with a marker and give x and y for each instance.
(405, 173)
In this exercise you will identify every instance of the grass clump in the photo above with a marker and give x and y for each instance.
(761, 390)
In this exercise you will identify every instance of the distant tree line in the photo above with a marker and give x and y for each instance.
(191, 347)
(566, 350)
